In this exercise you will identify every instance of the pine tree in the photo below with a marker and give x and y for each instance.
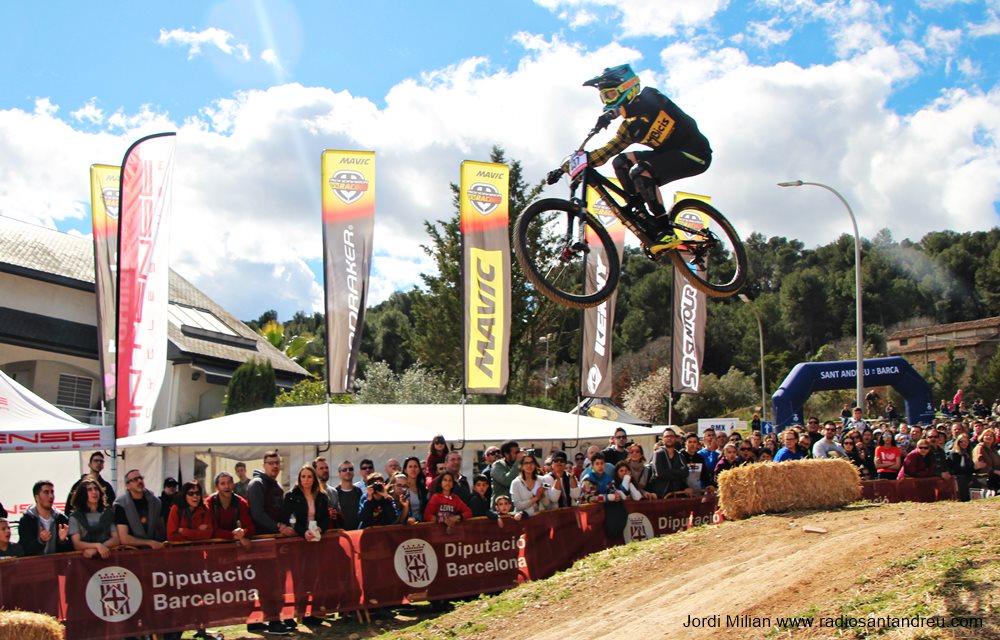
(251, 387)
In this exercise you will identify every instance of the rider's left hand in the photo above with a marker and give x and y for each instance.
(554, 176)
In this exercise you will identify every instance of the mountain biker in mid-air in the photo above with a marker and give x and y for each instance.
(679, 149)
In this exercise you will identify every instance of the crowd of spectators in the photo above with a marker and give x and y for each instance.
(512, 483)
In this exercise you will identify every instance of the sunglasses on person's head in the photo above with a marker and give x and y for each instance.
(621, 437)
(367, 468)
(745, 449)
(135, 479)
(194, 492)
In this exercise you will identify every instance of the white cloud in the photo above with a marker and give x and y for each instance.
(213, 36)
(270, 56)
(943, 41)
(641, 17)
(766, 34)
(990, 27)
(246, 200)
(89, 113)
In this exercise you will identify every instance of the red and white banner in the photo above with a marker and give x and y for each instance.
(143, 280)
(143, 592)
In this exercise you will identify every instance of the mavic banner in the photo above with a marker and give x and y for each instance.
(595, 367)
(348, 183)
(105, 183)
(484, 215)
(688, 343)
(143, 271)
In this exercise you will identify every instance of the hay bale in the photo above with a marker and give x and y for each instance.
(27, 625)
(787, 486)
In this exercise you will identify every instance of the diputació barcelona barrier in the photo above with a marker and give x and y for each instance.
(140, 592)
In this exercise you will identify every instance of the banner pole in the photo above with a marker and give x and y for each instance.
(673, 336)
(328, 436)
(114, 448)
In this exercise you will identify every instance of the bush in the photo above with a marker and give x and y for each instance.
(251, 387)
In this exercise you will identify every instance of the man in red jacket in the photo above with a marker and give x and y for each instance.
(229, 512)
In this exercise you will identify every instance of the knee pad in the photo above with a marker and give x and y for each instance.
(645, 185)
(623, 166)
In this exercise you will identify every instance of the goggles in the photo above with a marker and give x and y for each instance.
(612, 94)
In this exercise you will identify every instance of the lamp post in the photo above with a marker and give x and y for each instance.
(860, 377)
(760, 333)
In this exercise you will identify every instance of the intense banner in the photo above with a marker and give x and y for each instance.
(484, 213)
(348, 183)
(595, 363)
(688, 342)
(105, 189)
(143, 280)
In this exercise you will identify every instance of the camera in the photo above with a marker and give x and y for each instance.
(378, 487)
(533, 452)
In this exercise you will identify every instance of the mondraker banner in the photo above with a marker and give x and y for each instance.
(595, 363)
(484, 213)
(105, 189)
(688, 343)
(143, 280)
(348, 182)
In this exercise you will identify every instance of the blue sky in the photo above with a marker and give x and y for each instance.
(895, 104)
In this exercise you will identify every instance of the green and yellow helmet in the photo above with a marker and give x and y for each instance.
(617, 85)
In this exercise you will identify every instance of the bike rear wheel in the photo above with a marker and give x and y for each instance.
(555, 264)
(713, 257)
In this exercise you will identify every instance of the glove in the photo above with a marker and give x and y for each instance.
(604, 120)
(554, 176)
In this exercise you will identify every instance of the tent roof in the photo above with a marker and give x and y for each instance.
(376, 423)
(29, 423)
(607, 410)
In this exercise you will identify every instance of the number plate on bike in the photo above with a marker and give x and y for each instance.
(577, 164)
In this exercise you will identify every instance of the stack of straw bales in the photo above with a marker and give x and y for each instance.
(25, 625)
(788, 486)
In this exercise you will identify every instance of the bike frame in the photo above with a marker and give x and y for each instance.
(604, 187)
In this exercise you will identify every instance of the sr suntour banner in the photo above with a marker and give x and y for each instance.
(105, 189)
(688, 343)
(595, 363)
(486, 264)
(143, 272)
(348, 228)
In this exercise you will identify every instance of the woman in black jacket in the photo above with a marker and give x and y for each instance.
(961, 466)
(306, 508)
(307, 511)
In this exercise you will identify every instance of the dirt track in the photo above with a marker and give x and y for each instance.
(762, 567)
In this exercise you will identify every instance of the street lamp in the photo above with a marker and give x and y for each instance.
(760, 332)
(857, 283)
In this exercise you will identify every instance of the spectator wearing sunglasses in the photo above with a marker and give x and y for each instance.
(917, 463)
(746, 453)
(189, 519)
(616, 451)
(137, 514)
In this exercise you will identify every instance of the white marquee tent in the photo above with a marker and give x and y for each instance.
(354, 431)
(28, 423)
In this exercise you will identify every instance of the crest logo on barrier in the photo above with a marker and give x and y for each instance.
(638, 528)
(349, 186)
(416, 563)
(114, 594)
(484, 197)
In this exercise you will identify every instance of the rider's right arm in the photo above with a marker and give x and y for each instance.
(613, 147)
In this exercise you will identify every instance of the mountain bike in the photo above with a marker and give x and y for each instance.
(552, 244)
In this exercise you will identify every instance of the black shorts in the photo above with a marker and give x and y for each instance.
(673, 164)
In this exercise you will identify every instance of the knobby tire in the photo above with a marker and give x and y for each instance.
(530, 262)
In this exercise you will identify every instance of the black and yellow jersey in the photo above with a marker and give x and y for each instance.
(654, 120)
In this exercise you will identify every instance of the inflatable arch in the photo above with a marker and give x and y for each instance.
(808, 377)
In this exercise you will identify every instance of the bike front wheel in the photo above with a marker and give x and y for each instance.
(547, 247)
(713, 258)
